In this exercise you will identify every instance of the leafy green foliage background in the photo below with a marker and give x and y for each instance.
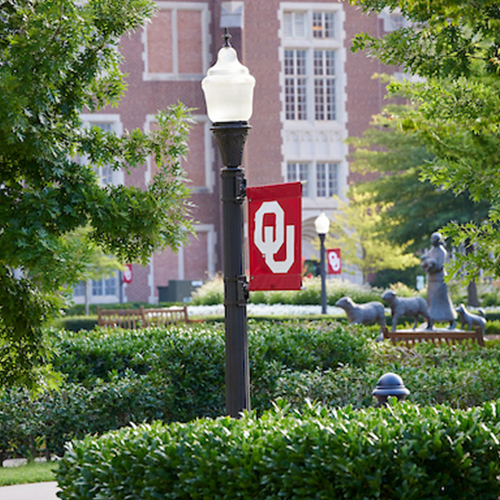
(402, 452)
(114, 378)
(59, 59)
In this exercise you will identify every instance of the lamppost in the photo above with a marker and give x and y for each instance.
(322, 224)
(228, 89)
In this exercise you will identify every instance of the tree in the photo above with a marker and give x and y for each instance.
(455, 48)
(58, 59)
(418, 208)
(356, 230)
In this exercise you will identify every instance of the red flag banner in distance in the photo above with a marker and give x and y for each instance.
(334, 261)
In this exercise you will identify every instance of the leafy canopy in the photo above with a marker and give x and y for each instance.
(455, 47)
(356, 229)
(58, 59)
(417, 207)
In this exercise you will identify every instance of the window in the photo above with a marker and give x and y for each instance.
(79, 290)
(295, 85)
(324, 85)
(294, 24)
(326, 175)
(105, 286)
(326, 179)
(309, 60)
(105, 172)
(299, 172)
(323, 25)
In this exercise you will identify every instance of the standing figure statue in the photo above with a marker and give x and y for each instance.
(438, 299)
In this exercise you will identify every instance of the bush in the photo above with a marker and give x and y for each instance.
(76, 323)
(404, 452)
(191, 360)
(29, 426)
(492, 327)
(212, 292)
(114, 377)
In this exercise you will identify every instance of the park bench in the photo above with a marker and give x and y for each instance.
(143, 317)
(120, 318)
(164, 316)
(411, 337)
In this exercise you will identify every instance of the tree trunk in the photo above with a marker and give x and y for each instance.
(472, 298)
(87, 305)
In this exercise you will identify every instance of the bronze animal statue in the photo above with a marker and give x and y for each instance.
(469, 319)
(363, 314)
(407, 306)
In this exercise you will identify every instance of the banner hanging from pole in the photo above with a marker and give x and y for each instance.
(334, 261)
(275, 236)
(127, 273)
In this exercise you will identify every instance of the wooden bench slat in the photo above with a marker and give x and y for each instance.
(143, 317)
(411, 337)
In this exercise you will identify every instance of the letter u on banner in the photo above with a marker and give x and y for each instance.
(275, 236)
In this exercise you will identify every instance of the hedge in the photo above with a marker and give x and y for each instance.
(112, 378)
(402, 452)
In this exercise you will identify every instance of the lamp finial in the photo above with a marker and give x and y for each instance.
(227, 37)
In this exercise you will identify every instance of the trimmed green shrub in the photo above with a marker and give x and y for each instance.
(29, 425)
(492, 327)
(76, 323)
(402, 452)
(114, 377)
(212, 292)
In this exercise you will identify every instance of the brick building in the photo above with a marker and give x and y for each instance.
(311, 93)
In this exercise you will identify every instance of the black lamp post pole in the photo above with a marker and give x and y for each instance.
(231, 138)
(323, 273)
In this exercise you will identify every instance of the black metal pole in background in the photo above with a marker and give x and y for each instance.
(323, 273)
(231, 138)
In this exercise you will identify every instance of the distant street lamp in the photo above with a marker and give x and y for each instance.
(322, 224)
(228, 89)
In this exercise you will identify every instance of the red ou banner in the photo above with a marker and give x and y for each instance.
(275, 235)
(334, 261)
(127, 273)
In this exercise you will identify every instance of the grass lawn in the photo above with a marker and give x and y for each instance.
(36, 472)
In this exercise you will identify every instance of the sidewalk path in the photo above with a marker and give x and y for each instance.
(35, 491)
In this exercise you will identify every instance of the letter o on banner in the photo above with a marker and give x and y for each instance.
(275, 232)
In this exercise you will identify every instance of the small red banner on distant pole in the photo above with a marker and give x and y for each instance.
(127, 273)
(275, 236)
(334, 261)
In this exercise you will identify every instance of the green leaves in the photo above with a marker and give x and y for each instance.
(454, 47)
(404, 452)
(57, 59)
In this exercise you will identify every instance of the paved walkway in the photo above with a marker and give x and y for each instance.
(35, 491)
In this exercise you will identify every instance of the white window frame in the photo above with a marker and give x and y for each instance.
(114, 120)
(316, 141)
(175, 75)
(309, 43)
(300, 171)
(103, 284)
(312, 187)
(331, 183)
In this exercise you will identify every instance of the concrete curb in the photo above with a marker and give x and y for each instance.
(33, 491)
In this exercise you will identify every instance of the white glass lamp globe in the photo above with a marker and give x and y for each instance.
(322, 223)
(228, 89)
